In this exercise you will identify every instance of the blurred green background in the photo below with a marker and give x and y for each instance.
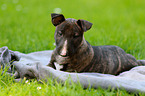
(25, 25)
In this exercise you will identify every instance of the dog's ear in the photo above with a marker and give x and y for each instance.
(57, 19)
(85, 25)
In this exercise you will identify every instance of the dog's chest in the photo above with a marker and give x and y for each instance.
(61, 60)
(63, 63)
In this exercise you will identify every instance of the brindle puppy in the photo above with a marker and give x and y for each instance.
(77, 55)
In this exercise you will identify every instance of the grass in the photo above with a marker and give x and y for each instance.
(51, 88)
(25, 26)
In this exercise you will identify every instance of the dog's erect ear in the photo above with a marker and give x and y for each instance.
(57, 19)
(85, 25)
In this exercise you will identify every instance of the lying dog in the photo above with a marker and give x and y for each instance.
(75, 54)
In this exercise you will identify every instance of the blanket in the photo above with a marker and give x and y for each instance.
(33, 65)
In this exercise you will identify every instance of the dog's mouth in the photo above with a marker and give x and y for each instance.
(64, 56)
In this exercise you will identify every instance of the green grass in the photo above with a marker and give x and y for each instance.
(51, 88)
(25, 26)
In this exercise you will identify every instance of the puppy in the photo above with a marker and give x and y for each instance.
(75, 54)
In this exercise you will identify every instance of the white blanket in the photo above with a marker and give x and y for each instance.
(33, 65)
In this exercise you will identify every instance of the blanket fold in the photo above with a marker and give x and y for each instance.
(7, 57)
(33, 65)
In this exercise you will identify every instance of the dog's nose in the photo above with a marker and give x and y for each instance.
(64, 49)
(63, 54)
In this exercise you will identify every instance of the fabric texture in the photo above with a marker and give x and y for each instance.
(33, 65)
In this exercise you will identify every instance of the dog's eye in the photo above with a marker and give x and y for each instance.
(76, 35)
(59, 33)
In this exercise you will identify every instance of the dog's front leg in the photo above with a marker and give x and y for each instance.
(51, 63)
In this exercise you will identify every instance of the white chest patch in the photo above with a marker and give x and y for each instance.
(58, 67)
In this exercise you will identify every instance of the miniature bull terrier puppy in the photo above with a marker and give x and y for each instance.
(75, 54)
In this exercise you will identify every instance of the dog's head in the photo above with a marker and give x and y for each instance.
(68, 34)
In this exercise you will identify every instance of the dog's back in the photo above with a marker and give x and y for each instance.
(111, 60)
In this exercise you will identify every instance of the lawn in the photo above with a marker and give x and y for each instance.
(25, 26)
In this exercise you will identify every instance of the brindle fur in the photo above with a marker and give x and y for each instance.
(81, 56)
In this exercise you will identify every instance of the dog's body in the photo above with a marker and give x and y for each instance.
(77, 55)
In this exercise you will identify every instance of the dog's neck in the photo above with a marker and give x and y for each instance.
(84, 49)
